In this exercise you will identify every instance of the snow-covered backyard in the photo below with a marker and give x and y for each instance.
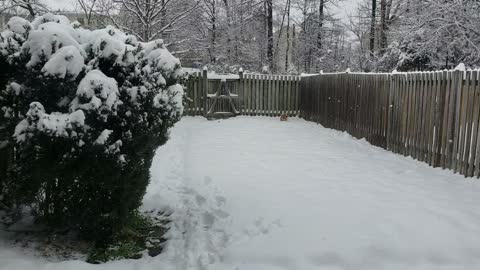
(257, 193)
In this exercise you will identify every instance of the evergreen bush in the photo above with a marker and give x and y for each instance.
(86, 111)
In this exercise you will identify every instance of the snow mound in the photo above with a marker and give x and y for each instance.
(102, 139)
(98, 90)
(47, 40)
(460, 67)
(54, 124)
(49, 17)
(163, 60)
(66, 61)
(105, 45)
(19, 25)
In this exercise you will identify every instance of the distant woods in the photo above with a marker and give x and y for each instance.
(295, 36)
(412, 35)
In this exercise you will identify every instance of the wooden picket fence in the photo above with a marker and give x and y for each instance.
(433, 117)
(251, 94)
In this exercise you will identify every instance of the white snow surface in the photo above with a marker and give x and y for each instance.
(105, 45)
(18, 25)
(215, 76)
(103, 137)
(55, 124)
(108, 96)
(460, 67)
(49, 17)
(257, 193)
(163, 60)
(40, 41)
(67, 60)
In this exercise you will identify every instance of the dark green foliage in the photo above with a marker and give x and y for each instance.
(141, 232)
(69, 179)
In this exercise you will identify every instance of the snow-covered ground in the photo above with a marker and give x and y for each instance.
(257, 193)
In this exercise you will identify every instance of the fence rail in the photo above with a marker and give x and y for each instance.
(253, 94)
(433, 117)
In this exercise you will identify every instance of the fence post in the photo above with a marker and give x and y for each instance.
(205, 90)
(389, 111)
(300, 106)
(241, 91)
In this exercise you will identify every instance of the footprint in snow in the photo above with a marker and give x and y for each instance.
(262, 227)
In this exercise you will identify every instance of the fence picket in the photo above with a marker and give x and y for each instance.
(470, 96)
(475, 159)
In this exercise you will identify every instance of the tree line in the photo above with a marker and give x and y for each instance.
(295, 36)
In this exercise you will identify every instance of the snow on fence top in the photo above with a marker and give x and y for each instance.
(461, 67)
(214, 76)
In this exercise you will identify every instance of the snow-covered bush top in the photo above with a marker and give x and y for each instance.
(97, 90)
(19, 25)
(55, 124)
(92, 87)
(67, 60)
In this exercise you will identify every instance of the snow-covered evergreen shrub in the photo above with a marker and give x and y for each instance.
(86, 111)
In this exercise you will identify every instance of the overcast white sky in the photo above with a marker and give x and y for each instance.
(64, 5)
(345, 7)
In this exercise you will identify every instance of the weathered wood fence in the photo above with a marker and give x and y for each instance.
(252, 94)
(433, 117)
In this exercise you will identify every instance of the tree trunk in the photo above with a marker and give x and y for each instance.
(384, 26)
(306, 50)
(229, 28)
(146, 30)
(281, 31)
(214, 32)
(31, 12)
(321, 12)
(269, 6)
(288, 36)
(164, 16)
(372, 26)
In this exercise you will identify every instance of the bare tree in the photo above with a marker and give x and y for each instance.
(287, 63)
(373, 24)
(88, 8)
(269, 22)
(320, 44)
(383, 25)
(321, 19)
(210, 15)
(29, 8)
(148, 19)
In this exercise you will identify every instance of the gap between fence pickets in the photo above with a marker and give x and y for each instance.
(431, 116)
